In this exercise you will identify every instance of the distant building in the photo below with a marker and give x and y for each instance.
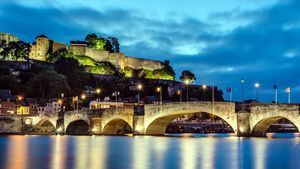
(104, 104)
(5, 38)
(8, 108)
(23, 110)
(43, 46)
(51, 107)
(78, 47)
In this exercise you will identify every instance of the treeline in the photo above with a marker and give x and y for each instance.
(69, 77)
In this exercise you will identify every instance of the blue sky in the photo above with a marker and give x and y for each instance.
(221, 41)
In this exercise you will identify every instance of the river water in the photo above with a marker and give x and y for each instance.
(210, 151)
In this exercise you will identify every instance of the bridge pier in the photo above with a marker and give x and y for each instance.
(95, 126)
(138, 125)
(243, 124)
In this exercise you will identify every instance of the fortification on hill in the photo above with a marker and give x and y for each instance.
(5, 38)
(44, 46)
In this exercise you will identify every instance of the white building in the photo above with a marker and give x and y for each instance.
(51, 107)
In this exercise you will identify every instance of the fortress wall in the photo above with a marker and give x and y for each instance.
(97, 55)
(57, 46)
(77, 49)
(138, 63)
(119, 60)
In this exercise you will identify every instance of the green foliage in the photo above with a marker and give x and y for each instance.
(187, 76)
(59, 54)
(48, 84)
(15, 51)
(102, 68)
(98, 42)
(84, 60)
(115, 44)
(128, 72)
(73, 71)
(166, 73)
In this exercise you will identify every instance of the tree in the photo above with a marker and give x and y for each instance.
(73, 71)
(10, 82)
(16, 51)
(98, 42)
(59, 54)
(187, 76)
(48, 84)
(115, 44)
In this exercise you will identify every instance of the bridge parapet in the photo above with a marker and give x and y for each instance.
(268, 107)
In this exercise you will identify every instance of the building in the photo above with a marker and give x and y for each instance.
(23, 110)
(8, 108)
(104, 105)
(43, 46)
(5, 38)
(54, 106)
(77, 47)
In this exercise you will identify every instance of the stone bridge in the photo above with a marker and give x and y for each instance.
(245, 120)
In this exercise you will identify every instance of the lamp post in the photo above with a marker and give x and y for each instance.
(83, 97)
(98, 91)
(256, 85)
(187, 89)
(243, 93)
(204, 88)
(159, 89)
(276, 94)
(20, 98)
(288, 91)
(179, 92)
(139, 88)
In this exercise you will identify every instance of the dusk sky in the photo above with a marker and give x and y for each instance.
(220, 41)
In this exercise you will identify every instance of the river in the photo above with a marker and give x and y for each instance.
(189, 151)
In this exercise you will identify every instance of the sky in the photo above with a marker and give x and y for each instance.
(220, 41)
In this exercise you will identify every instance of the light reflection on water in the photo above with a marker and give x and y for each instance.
(145, 152)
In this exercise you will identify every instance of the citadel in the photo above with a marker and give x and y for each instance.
(44, 46)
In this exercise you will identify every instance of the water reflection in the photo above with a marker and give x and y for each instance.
(17, 152)
(145, 152)
(58, 156)
(188, 151)
(141, 152)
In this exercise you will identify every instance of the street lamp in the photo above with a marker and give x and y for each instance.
(83, 96)
(159, 89)
(139, 87)
(20, 98)
(256, 85)
(243, 94)
(204, 88)
(98, 91)
(288, 91)
(186, 82)
(179, 92)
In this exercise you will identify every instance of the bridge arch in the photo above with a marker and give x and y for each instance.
(71, 117)
(78, 127)
(44, 126)
(158, 124)
(118, 126)
(262, 124)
